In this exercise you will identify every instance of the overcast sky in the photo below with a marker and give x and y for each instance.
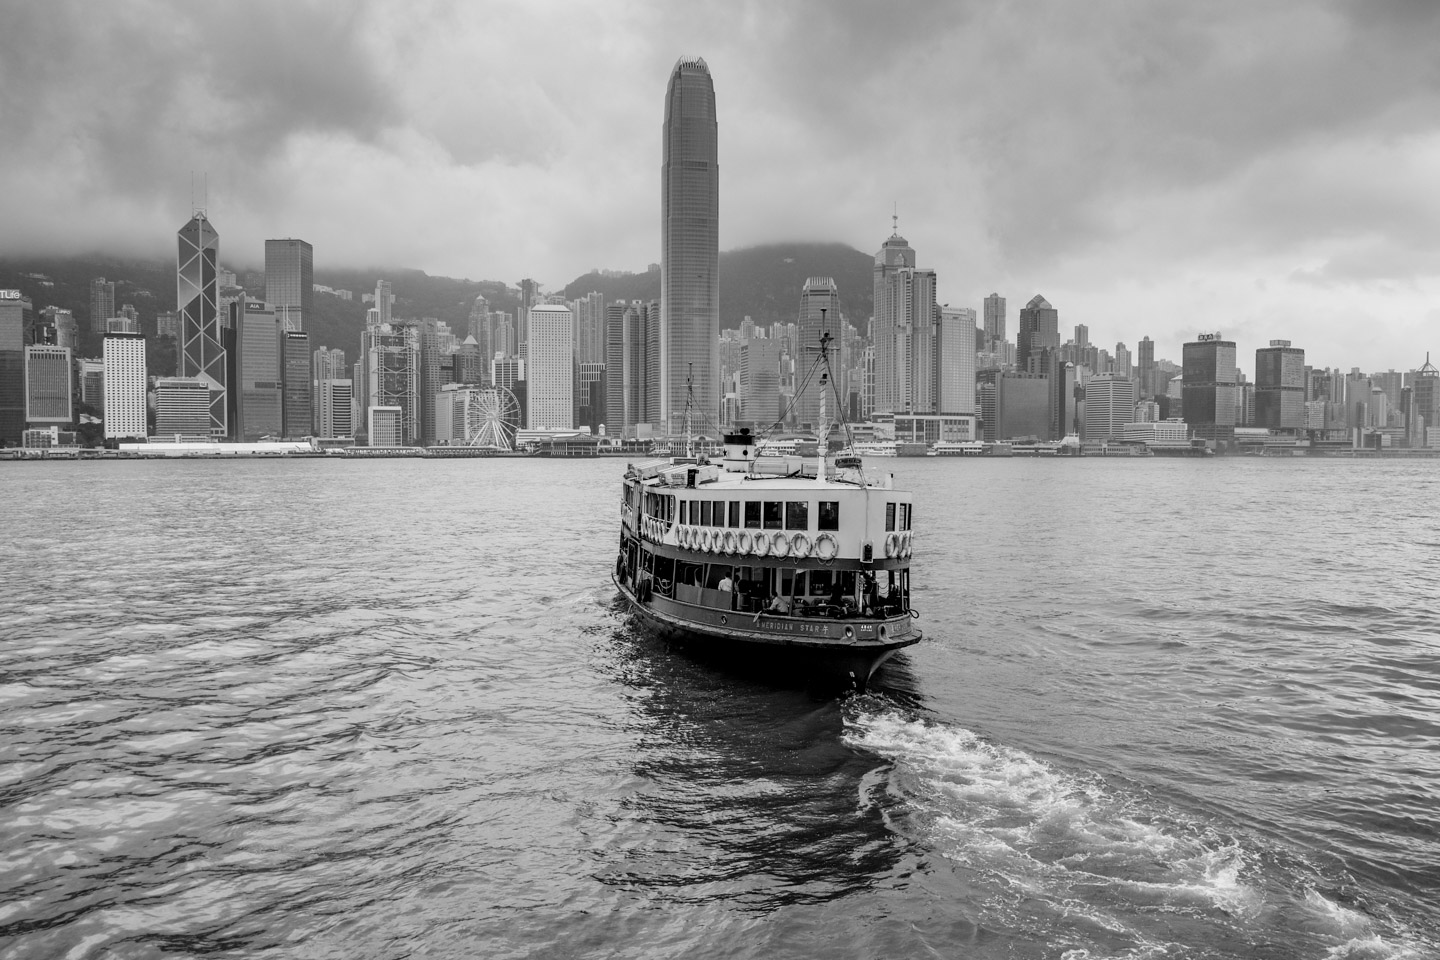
(1262, 169)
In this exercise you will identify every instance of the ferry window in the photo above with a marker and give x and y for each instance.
(889, 517)
(684, 508)
(909, 514)
(752, 514)
(734, 513)
(828, 517)
(797, 515)
(717, 516)
(704, 513)
(774, 520)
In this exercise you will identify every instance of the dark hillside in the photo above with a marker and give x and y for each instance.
(761, 282)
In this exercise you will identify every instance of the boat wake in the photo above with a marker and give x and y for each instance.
(1092, 871)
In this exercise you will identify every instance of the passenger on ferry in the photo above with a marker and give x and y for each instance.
(778, 604)
(726, 584)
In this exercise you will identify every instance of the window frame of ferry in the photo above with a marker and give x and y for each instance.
(797, 514)
(827, 515)
(704, 513)
(752, 514)
(774, 514)
(734, 514)
(890, 517)
(717, 513)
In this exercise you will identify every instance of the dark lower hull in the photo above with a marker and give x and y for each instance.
(756, 644)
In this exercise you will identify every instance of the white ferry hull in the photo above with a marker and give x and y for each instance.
(817, 650)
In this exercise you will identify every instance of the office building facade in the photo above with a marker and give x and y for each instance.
(1280, 387)
(257, 370)
(126, 386)
(297, 410)
(1039, 330)
(550, 368)
(1109, 406)
(48, 387)
(1209, 391)
(183, 408)
(290, 281)
(12, 367)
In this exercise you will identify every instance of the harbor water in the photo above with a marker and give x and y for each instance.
(1164, 708)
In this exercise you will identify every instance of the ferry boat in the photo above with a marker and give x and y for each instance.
(805, 561)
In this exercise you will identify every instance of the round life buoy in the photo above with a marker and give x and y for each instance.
(892, 545)
(905, 540)
(780, 545)
(762, 545)
(826, 547)
(729, 541)
(800, 546)
(742, 542)
(705, 540)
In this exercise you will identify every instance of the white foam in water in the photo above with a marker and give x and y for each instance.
(1001, 810)
(1085, 858)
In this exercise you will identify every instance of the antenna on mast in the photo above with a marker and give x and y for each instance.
(895, 218)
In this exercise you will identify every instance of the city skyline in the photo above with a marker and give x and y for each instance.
(1261, 171)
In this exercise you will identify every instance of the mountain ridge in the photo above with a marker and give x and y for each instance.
(762, 282)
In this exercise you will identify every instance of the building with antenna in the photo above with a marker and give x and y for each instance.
(201, 353)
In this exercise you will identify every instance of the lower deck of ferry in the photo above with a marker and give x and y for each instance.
(811, 589)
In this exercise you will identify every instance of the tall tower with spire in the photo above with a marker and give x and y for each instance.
(202, 346)
(689, 248)
(890, 327)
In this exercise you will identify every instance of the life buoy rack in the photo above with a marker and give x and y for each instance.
(827, 548)
(780, 545)
(800, 546)
(743, 542)
(892, 545)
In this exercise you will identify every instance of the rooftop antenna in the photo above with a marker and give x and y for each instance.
(895, 218)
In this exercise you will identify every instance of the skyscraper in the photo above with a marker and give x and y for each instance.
(1280, 386)
(1109, 405)
(1039, 329)
(102, 303)
(819, 314)
(550, 368)
(201, 349)
(290, 281)
(125, 386)
(384, 300)
(955, 360)
(297, 412)
(889, 327)
(12, 366)
(689, 325)
(1148, 386)
(994, 319)
(1208, 387)
(48, 390)
(391, 367)
(257, 369)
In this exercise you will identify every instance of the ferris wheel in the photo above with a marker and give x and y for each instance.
(492, 415)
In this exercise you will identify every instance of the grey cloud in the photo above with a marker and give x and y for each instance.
(139, 93)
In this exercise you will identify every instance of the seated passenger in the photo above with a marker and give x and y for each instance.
(779, 604)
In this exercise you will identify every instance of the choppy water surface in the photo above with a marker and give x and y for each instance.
(390, 709)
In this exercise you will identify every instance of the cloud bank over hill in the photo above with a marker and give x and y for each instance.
(1160, 168)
